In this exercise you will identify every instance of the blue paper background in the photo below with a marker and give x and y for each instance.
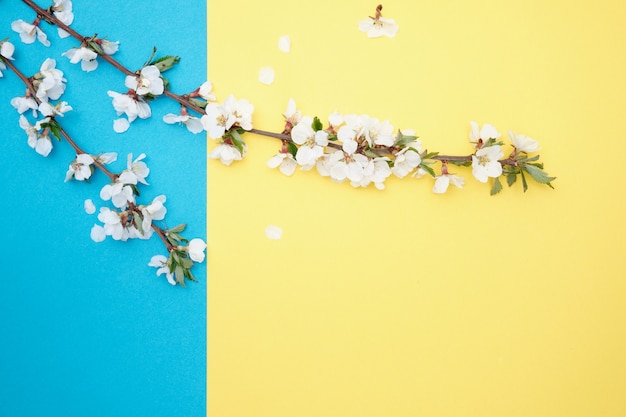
(87, 329)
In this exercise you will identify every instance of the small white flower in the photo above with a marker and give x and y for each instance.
(206, 91)
(443, 181)
(22, 104)
(117, 225)
(160, 262)
(193, 124)
(226, 154)
(97, 233)
(62, 10)
(221, 117)
(108, 47)
(266, 75)
(154, 211)
(119, 193)
(50, 81)
(376, 171)
(292, 115)
(130, 106)
(284, 162)
(59, 109)
(107, 158)
(28, 32)
(378, 26)
(485, 163)
(482, 135)
(523, 143)
(85, 56)
(273, 232)
(348, 164)
(89, 206)
(406, 161)
(148, 81)
(7, 49)
(80, 169)
(196, 250)
(138, 167)
(38, 139)
(284, 43)
(311, 143)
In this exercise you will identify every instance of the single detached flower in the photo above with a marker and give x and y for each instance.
(378, 26)
(523, 143)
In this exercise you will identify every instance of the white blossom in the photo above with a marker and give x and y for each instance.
(59, 109)
(196, 250)
(523, 143)
(348, 164)
(232, 113)
(311, 143)
(153, 211)
(106, 158)
(377, 27)
(38, 138)
(62, 10)
(206, 91)
(80, 169)
(23, 104)
(160, 262)
(292, 114)
(51, 84)
(118, 225)
(376, 171)
(148, 81)
(28, 32)
(137, 167)
(7, 49)
(193, 124)
(482, 135)
(485, 163)
(108, 47)
(226, 153)
(85, 56)
(406, 161)
(132, 107)
(284, 161)
(119, 193)
(443, 181)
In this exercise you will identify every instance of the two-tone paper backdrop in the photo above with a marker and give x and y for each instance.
(401, 302)
(88, 329)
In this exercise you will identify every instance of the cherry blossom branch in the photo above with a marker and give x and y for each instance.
(132, 207)
(50, 18)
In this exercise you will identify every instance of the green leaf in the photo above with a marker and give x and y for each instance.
(402, 139)
(524, 183)
(539, 175)
(237, 140)
(370, 153)
(55, 129)
(186, 263)
(134, 188)
(165, 63)
(511, 178)
(95, 47)
(177, 229)
(180, 275)
(497, 186)
(428, 169)
(292, 148)
(317, 124)
(138, 221)
(145, 64)
(190, 275)
(199, 103)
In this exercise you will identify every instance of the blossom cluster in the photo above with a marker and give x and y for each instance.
(40, 109)
(364, 150)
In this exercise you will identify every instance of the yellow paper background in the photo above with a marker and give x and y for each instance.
(402, 302)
